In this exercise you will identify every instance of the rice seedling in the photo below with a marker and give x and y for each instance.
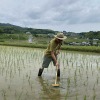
(76, 97)
(68, 82)
(85, 97)
(4, 94)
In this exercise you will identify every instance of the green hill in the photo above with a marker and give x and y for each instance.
(6, 28)
(13, 29)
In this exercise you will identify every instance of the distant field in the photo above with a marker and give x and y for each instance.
(41, 41)
(43, 44)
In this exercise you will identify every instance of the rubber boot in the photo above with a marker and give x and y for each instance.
(40, 71)
(58, 73)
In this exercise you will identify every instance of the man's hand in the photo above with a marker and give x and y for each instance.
(57, 65)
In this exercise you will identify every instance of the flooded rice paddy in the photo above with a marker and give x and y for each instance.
(80, 75)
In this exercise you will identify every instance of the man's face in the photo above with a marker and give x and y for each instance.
(59, 41)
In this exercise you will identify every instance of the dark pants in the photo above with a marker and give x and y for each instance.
(46, 61)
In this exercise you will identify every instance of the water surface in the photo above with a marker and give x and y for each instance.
(80, 75)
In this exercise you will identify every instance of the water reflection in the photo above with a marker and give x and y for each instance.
(49, 92)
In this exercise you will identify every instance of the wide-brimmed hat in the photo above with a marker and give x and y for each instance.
(60, 36)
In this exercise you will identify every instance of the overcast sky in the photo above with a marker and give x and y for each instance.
(58, 15)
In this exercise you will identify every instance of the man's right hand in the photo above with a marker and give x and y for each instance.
(57, 65)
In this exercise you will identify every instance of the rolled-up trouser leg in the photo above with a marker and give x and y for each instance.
(46, 61)
(45, 64)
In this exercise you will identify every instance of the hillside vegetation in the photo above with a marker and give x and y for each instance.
(19, 36)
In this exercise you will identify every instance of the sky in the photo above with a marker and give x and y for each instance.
(58, 15)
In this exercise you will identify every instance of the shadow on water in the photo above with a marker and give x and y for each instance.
(49, 92)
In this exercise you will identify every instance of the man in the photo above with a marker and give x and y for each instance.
(51, 53)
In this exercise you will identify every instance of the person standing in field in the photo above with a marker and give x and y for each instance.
(51, 53)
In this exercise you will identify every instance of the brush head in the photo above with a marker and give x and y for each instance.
(55, 85)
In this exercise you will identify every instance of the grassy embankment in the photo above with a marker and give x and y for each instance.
(64, 47)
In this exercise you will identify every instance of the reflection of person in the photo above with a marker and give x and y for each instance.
(51, 53)
(48, 93)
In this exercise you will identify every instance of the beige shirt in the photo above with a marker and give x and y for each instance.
(53, 46)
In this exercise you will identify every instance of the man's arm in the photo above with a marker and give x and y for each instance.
(54, 58)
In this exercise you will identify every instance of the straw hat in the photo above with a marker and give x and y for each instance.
(60, 36)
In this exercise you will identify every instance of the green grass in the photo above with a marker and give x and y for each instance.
(64, 47)
(82, 48)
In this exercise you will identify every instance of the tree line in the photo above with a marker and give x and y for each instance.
(13, 29)
(90, 35)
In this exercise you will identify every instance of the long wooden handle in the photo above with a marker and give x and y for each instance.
(56, 74)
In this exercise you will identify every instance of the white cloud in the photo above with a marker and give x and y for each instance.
(53, 14)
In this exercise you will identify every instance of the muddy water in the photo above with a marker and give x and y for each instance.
(80, 75)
